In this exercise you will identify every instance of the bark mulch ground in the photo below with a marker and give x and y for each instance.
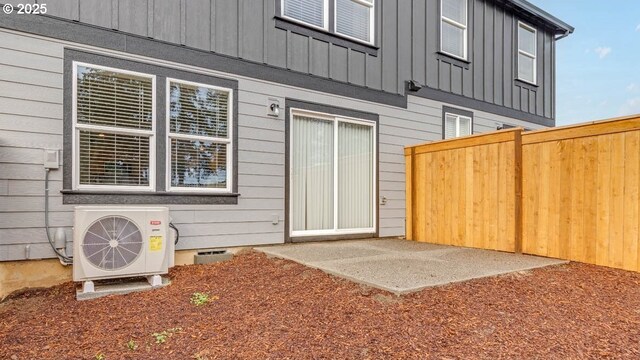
(269, 308)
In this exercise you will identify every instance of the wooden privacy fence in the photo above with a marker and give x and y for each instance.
(569, 192)
(463, 191)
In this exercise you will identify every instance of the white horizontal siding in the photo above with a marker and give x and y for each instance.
(32, 125)
(31, 92)
(31, 60)
(30, 107)
(16, 41)
(10, 74)
(29, 140)
(10, 171)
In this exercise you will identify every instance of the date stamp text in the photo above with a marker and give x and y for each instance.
(32, 9)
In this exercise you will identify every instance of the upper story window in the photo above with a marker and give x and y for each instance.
(353, 19)
(114, 128)
(453, 28)
(456, 125)
(199, 137)
(312, 12)
(527, 45)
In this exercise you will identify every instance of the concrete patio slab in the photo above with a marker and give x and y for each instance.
(402, 266)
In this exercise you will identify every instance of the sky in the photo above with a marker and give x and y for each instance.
(598, 66)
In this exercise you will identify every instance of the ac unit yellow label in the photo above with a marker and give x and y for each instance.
(155, 243)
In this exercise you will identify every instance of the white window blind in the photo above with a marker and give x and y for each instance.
(453, 28)
(313, 12)
(114, 116)
(199, 137)
(456, 126)
(354, 18)
(527, 44)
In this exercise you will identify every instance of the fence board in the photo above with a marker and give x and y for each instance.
(631, 202)
(570, 192)
(576, 221)
(585, 189)
(468, 200)
(591, 200)
(459, 193)
(603, 190)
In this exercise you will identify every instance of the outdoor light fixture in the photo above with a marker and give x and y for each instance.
(414, 85)
(273, 107)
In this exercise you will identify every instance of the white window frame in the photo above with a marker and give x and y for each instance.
(325, 16)
(458, 117)
(372, 17)
(335, 230)
(228, 140)
(151, 134)
(458, 25)
(527, 54)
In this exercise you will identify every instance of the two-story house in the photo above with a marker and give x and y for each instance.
(255, 121)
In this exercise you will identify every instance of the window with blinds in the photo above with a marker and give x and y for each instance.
(526, 53)
(456, 125)
(453, 28)
(199, 156)
(312, 12)
(114, 128)
(354, 18)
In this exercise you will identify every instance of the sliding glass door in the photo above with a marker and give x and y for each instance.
(312, 174)
(332, 175)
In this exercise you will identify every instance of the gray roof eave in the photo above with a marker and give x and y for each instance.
(563, 28)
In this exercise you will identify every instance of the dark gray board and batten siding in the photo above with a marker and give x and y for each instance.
(407, 36)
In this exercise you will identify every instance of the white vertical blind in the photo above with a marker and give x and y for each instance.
(312, 173)
(355, 176)
(353, 18)
(308, 11)
(332, 174)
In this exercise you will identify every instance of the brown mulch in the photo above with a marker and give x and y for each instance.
(269, 308)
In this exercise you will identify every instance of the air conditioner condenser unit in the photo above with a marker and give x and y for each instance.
(121, 241)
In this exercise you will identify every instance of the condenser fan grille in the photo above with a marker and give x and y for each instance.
(112, 243)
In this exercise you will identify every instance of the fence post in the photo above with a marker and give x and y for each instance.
(517, 142)
(410, 178)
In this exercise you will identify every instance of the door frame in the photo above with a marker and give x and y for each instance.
(348, 114)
